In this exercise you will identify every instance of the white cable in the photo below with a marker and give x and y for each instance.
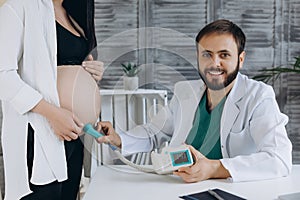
(138, 167)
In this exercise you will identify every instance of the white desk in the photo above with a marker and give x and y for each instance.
(122, 182)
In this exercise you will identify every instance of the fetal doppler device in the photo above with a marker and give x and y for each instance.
(169, 160)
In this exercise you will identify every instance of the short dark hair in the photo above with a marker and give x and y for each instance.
(223, 26)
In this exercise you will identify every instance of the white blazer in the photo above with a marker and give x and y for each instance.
(28, 74)
(254, 142)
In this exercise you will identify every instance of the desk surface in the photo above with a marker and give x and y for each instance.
(122, 182)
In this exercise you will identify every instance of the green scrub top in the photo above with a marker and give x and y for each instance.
(205, 132)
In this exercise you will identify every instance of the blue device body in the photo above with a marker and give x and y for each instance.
(89, 129)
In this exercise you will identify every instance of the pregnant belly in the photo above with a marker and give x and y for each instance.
(78, 92)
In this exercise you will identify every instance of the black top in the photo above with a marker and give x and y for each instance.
(71, 49)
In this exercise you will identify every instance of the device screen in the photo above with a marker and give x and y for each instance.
(180, 157)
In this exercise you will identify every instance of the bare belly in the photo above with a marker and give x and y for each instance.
(78, 92)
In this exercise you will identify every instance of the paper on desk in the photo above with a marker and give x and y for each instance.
(206, 196)
(292, 196)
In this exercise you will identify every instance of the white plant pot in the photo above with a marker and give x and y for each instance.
(131, 83)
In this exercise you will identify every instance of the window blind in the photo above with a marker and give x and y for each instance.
(292, 86)
(115, 23)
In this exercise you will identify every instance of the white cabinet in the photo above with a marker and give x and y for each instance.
(125, 109)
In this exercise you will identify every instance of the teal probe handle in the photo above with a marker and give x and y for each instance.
(89, 129)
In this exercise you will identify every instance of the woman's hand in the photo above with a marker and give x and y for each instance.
(63, 122)
(202, 169)
(94, 67)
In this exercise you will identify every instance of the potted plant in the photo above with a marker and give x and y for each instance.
(273, 73)
(131, 80)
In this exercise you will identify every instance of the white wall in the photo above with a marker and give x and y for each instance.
(1, 161)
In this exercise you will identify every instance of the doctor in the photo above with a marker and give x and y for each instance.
(233, 123)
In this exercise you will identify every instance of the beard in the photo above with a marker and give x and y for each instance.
(214, 85)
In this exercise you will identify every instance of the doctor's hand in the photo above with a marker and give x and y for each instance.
(202, 169)
(94, 67)
(111, 137)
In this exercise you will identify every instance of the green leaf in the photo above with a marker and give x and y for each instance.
(267, 75)
(130, 69)
(297, 63)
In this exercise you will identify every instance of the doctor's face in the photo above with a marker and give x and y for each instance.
(218, 60)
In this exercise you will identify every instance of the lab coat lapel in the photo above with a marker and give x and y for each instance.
(231, 111)
(190, 98)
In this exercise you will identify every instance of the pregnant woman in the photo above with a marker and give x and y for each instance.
(40, 138)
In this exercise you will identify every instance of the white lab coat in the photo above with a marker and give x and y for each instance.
(254, 141)
(28, 74)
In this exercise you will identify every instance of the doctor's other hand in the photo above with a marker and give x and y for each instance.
(111, 137)
(94, 67)
(202, 169)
